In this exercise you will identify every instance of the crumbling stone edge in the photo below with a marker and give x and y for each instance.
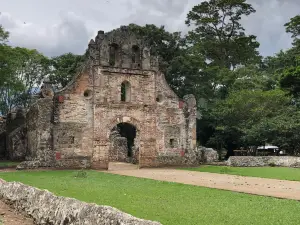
(262, 161)
(46, 208)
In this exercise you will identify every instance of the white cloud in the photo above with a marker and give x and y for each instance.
(58, 26)
(69, 34)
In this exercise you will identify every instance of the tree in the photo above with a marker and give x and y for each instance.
(187, 75)
(293, 27)
(21, 70)
(251, 77)
(65, 67)
(290, 80)
(236, 116)
(282, 130)
(219, 34)
(3, 35)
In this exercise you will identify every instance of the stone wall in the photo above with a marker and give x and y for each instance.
(46, 208)
(118, 149)
(73, 124)
(261, 161)
(39, 132)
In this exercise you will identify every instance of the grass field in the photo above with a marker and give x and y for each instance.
(168, 203)
(7, 164)
(281, 173)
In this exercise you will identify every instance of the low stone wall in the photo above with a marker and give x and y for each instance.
(46, 208)
(261, 161)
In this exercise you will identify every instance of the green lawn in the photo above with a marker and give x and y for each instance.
(7, 164)
(169, 203)
(282, 173)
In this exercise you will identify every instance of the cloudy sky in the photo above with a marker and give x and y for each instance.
(55, 27)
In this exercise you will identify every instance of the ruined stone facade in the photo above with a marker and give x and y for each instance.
(120, 85)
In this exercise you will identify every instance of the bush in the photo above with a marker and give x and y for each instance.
(272, 164)
(81, 174)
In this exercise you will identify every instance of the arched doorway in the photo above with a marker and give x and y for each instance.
(124, 143)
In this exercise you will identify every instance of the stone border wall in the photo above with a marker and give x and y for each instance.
(46, 208)
(261, 161)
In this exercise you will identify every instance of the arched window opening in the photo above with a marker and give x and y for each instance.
(113, 54)
(136, 57)
(125, 92)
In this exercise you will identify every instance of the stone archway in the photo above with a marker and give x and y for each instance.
(124, 137)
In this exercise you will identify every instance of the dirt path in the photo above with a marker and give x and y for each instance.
(9, 216)
(251, 185)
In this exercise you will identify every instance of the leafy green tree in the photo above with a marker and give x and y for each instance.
(241, 111)
(219, 34)
(65, 67)
(282, 130)
(293, 27)
(187, 75)
(10, 86)
(21, 70)
(251, 77)
(290, 80)
(3, 35)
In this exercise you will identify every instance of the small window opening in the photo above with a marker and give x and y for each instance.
(136, 56)
(125, 92)
(87, 93)
(113, 54)
(72, 140)
(159, 98)
(172, 143)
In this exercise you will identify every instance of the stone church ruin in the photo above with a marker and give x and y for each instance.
(119, 108)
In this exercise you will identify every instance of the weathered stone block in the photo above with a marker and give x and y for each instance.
(208, 155)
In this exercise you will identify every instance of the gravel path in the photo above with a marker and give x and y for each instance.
(251, 185)
(9, 216)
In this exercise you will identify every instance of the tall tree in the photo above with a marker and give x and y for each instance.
(219, 33)
(290, 80)
(293, 27)
(243, 110)
(21, 70)
(252, 77)
(65, 67)
(3, 35)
